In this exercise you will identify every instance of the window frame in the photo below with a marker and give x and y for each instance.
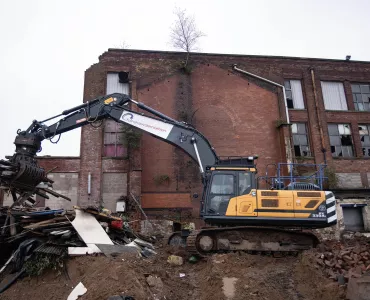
(117, 132)
(344, 95)
(364, 147)
(356, 95)
(309, 152)
(289, 91)
(341, 140)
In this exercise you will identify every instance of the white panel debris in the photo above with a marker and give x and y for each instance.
(89, 229)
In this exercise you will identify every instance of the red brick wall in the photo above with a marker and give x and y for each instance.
(62, 163)
(237, 113)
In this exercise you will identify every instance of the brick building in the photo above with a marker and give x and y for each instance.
(327, 103)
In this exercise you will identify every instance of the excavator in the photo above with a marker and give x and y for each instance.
(239, 215)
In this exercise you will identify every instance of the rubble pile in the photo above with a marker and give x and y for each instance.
(33, 240)
(343, 260)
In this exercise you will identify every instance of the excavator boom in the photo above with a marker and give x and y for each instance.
(230, 197)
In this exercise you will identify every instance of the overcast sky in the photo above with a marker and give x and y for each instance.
(47, 45)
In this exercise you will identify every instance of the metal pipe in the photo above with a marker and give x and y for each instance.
(193, 140)
(269, 81)
(89, 184)
(317, 113)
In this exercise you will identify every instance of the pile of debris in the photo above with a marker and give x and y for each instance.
(343, 260)
(32, 240)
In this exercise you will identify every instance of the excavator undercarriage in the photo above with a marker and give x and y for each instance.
(256, 240)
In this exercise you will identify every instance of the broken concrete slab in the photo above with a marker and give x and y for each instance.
(175, 260)
(90, 249)
(112, 250)
(79, 290)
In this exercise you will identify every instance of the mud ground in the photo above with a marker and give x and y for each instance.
(221, 276)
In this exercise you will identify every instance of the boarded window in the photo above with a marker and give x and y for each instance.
(361, 96)
(341, 144)
(115, 86)
(365, 139)
(294, 95)
(333, 94)
(300, 140)
(113, 132)
(113, 140)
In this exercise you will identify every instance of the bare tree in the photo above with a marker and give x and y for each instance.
(184, 33)
(124, 45)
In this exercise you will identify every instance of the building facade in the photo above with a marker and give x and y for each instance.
(325, 118)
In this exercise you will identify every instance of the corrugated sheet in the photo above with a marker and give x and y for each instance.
(114, 86)
(334, 97)
(297, 94)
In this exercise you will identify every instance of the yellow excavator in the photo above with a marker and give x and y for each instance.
(241, 217)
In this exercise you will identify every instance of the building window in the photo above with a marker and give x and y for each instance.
(361, 96)
(341, 144)
(333, 94)
(294, 96)
(365, 139)
(116, 84)
(113, 140)
(300, 140)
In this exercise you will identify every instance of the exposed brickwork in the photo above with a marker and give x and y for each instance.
(158, 200)
(237, 114)
(59, 164)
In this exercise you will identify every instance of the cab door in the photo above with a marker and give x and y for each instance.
(221, 191)
(246, 201)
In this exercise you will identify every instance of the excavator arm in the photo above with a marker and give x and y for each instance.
(21, 174)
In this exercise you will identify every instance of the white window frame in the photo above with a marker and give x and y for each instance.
(293, 90)
(333, 95)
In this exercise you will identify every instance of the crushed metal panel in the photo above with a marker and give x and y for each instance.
(89, 229)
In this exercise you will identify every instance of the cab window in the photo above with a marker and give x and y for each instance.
(245, 183)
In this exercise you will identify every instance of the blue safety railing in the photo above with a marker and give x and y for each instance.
(286, 177)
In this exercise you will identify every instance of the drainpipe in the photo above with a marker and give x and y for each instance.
(317, 113)
(269, 81)
(288, 147)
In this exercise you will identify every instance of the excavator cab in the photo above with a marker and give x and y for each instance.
(232, 197)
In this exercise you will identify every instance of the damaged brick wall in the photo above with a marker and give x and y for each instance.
(237, 113)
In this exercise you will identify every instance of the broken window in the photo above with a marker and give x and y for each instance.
(361, 96)
(333, 94)
(341, 144)
(114, 140)
(365, 139)
(294, 96)
(300, 140)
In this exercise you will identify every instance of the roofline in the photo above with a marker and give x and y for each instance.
(57, 157)
(236, 55)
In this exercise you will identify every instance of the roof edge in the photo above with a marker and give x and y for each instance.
(235, 55)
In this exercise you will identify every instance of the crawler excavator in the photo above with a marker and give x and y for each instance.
(239, 215)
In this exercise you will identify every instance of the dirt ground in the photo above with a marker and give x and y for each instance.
(221, 276)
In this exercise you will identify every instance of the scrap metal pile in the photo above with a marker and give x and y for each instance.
(29, 235)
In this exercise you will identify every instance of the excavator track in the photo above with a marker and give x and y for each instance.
(256, 240)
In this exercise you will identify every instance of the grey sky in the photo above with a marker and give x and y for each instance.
(47, 45)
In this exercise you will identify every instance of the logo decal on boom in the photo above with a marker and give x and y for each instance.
(153, 126)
